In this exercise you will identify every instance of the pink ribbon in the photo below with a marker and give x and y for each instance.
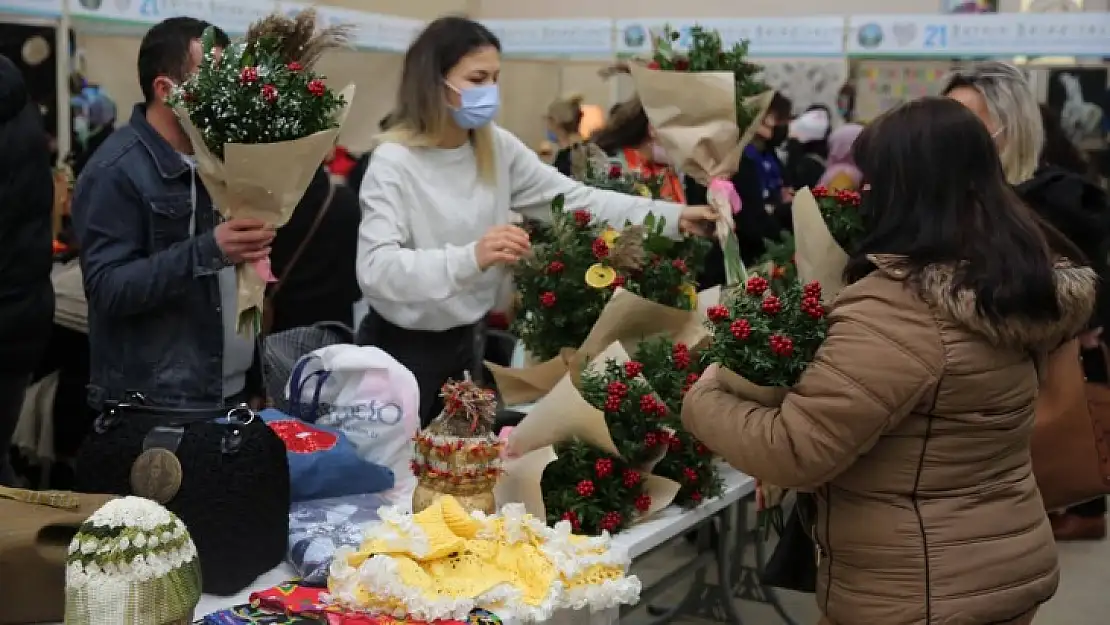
(503, 435)
(724, 186)
(262, 268)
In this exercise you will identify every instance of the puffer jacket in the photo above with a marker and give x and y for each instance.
(912, 428)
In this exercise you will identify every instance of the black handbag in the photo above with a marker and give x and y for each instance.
(223, 472)
(793, 563)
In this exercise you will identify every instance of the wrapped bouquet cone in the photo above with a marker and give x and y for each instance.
(817, 254)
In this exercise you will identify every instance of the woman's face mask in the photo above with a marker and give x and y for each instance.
(478, 105)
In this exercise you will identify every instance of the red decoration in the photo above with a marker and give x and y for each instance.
(717, 313)
(585, 488)
(317, 88)
(633, 368)
(301, 438)
(603, 467)
(548, 299)
(757, 285)
(556, 266)
(249, 75)
(269, 93)
(582, 218)
(600, 248)
(294, 66)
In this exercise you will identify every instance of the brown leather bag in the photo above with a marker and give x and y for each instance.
(268, 300)
(35, 531)
(1071, 431)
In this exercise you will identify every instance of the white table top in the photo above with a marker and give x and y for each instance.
(638, 540)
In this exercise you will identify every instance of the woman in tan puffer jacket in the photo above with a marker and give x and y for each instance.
(912, 425)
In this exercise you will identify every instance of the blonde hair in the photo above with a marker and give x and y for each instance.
(1015, 111)
(566, 112)
(421, 117)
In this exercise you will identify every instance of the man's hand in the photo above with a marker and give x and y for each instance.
(244, 240)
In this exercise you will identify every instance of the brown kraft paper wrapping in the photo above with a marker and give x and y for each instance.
(520, 481)
(626, 318)
(662, 492)
(262, 181)
(817, 254)
(770, 495)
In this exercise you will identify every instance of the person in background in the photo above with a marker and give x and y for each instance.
(564, 116)
(807, 148)
(158, 263)
(547, 152)
(313, 258)
(758, 181)
(628, 138)
(841, 172)
(358, 172)
(912, 424)
(102, 123)
(26, 293)
(436, 236)
(1051, 178)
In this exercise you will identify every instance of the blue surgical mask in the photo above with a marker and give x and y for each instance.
(478, 105)
(551, 136)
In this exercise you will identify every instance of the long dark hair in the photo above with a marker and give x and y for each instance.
(938, 196)
(627, 128)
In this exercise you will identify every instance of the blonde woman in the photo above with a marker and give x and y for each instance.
(564, 118)
(1002, 98)
(436, 233)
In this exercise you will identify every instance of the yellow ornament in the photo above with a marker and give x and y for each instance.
(610, 237)
(642, 190)
(691, 293)
(600, 276)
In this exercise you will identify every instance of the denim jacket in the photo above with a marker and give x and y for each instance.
(150, 263)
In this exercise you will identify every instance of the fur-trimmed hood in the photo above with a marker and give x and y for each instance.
(1075, 293)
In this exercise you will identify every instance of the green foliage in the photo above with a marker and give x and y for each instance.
(557, 308)
(777, 263)
(707, 53)
(670, 368)
(251, 94)
(767, 337)
(614, 177)
(840, 210)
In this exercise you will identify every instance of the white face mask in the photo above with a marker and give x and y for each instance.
(81, 128)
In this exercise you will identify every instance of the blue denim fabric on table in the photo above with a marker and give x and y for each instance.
(318, 528)
(323, 462)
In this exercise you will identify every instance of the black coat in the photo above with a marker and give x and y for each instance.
(26, 204)
(322, 285)
(754, 224)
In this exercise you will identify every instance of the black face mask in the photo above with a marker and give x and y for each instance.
(778, 136)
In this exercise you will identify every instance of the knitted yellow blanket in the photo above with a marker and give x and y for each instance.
(444, 562)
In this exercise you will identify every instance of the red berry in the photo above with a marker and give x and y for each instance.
(675, 443)
(741, 329)
(633, 368)
(643, 503)
(695, 496)
(548, 299)
(690, 474)
(681, 361)
(582, 218)
(585, 488)
(778, 272)
(600, 248)
(610, 521)
(570, 516)
(650, 439)
(679, 264)
(781, 345)
(647, 404)
(653, 65)
(617, 282)
(317, 88)
(618, 388)
(757, 285)
(294, 66)
(820, 192)
(813, 289)
(631, 478)
(249, 75)
(701, 449)
(681, 65)
(692, 377)
(556, 266)
(812, 307)
(615, 171)
(772, 305)
(717, 313)
(269, 93)
(603, 467)
(613, 403)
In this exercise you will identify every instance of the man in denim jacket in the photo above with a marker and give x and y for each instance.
(158, 263)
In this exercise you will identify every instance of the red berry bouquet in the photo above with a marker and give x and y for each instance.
(671, 368)
(596, 489)
(703, 103)
(827, 224)
(591, 166)
(566, 283)
(259, 115)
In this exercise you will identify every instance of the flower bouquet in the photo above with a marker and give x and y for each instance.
(763, 341)
(778, 264)
(671, 368)
(703, 104)
(826, 225)
(593, 167)
(566, 295)
(261, 121)
(607, 438)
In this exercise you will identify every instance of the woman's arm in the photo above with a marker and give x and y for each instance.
(534, 184)
(864, 380)
(386, 269)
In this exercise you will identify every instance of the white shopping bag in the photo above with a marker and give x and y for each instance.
(370, 397)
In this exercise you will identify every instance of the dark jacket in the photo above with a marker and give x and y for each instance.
(155, 324)
(805, 163)
(753, 224)
(322, 285)
(26, 205)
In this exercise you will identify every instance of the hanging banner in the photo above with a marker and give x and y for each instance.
(998, 34)
(767, 37)
(554, 38)
(231, 15)
(37, 8)
(373, 31)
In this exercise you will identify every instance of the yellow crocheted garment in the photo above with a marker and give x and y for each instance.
(444, 562)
